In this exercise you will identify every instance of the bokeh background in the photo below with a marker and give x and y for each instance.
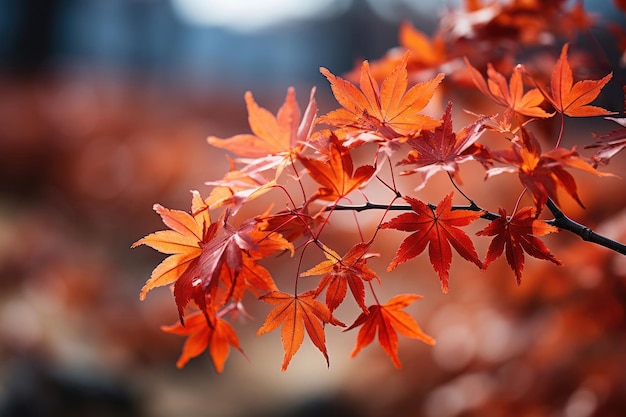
(104, 110)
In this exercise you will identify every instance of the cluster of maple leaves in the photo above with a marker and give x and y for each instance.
(215, 257)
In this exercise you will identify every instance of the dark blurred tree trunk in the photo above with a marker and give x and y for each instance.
(32, 42)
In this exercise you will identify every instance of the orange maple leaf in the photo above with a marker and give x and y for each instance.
(218, 338)
(278, 135)
(515, 235)
(236, 188)
(297, 313)
(182, 242)
(251, 276)
(438, 228)
(573, 99)
(386, 319)
(510, 95)
(389, 111)
(341, 273)
(336, 175)
(427, 52)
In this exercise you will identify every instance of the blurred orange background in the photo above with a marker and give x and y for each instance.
(105, 106)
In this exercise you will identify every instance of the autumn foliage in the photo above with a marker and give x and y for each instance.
(384, 128)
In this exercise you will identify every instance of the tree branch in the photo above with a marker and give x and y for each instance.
(563, 222)
(405, 207)
(560, 220)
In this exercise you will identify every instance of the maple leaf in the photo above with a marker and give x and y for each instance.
(515, 235)
(267, 241)
(278, 135)
(223, 251)
(542, 173)
(337, 175)
(236, 188)
(252, 276)
(442, 149)
(387, 319)
(610, 144)
(427, 53)
(340, 273)
(182, 242)
(297, 314)
(390, 111)
(573, 99)
(509, 95)
(273, 144)
(438, 228)
(218, 338)
(425, 58)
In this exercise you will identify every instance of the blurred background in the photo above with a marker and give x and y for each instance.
(105, 106)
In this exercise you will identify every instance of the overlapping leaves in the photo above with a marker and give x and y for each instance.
(213, 264)
(389, 111)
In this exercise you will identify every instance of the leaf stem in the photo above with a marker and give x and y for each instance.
(558, 141)
(458, 189)
(519, 199)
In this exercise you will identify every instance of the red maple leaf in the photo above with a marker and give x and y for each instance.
(341, 273)
(387, 319)
(610, 144)
(438, 229)
(252, 276)
(442, 149)
(297, 314)
(225, 250)
(218, 338)
(203, 254)
(389, 111)
(291, 224)
(542, 173)
(515, 235)
(335, 172)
